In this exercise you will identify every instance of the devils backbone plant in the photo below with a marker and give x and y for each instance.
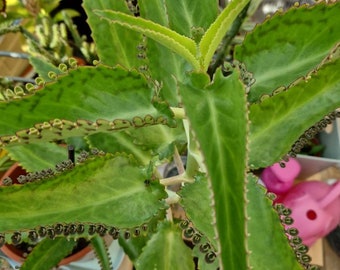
(156, 93)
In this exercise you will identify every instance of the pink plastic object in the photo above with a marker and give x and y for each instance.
(315, 209)
(279, 180)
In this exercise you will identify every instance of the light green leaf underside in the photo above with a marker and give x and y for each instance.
(168, 240)
(108, 98)
(280, 120)
(85, 194)
(302, 38)
(48, 253)
(214, 35)
(217, 114)
(114, 44)
(269, 247)
(182, 45)
(202, 219)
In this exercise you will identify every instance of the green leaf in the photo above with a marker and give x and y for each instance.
(183, 46)
(114, 44)
(164, 65)
(288, 46)
(277, 122)
(157, 138)
(266, 232)
(218, 117)
(155, 11)
(171, 252)
(203, 219)
(214, 35)
(133, 247)
(37, 156)
(85, 194)
(142, 143)
(43, 67)
(119, 142)
(9, 25)
(100, 248)
(185, 16)
(98, 94)
(48, 253)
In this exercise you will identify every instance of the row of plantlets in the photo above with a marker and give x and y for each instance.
(152, 97)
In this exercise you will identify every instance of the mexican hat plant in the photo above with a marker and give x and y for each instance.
(158, 92)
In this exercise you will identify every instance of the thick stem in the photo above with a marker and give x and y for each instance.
(178, 112)
(177, 179)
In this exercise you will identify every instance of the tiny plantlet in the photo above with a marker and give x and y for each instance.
(174, 81)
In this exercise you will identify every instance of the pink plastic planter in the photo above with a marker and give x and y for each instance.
(315, 209)
(279, 180)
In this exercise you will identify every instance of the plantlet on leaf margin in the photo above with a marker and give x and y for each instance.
(113, 106)
(79, 229)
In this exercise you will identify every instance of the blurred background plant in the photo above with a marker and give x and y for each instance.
(48, 35)
(36, 36)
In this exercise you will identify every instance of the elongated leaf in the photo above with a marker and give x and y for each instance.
(218, 116)
(48, 253)
(134, 247)
(99, 246)
(280, 120)
(182, 45)
(169, 243)
(85, 194)
(114, 44)
(214, 35)
(288, 46)
(203, 219)
(267, 241)
(98, 94)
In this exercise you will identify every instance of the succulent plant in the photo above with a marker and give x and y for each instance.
(156, 93)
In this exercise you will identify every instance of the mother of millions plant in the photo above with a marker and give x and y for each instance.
(158, 92)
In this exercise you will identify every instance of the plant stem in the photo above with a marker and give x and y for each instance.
(178, 112)
(173, 197)
(177, 179)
